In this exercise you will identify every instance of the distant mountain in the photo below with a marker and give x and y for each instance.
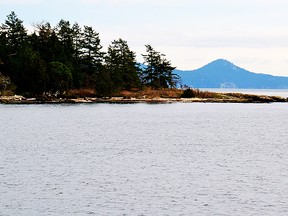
(224, 74)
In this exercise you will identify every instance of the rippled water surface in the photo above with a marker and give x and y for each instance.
(272, 92)
(140, 159)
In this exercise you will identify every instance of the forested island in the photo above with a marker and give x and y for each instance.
(67, 63)
(65, 57)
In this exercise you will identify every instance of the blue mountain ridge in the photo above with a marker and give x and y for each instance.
(224, 74)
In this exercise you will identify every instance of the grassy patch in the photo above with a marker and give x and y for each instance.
(149, 93)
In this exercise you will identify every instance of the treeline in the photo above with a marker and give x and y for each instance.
(56, 59)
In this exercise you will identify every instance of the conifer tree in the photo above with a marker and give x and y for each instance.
(91, 53)
(15, 33)
(77, 36)
(158, 71)
(122, 66)
(45, 41)
(91, 56)
(64, 33)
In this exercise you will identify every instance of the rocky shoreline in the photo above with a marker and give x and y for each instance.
(225, 98)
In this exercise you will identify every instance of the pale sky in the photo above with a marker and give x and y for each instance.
(252, 34)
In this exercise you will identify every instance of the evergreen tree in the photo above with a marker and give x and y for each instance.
(12, 40)
(151, 61)
(64, 33)
(60, 77)
(122, 66)
(28, 72)
(15, 33)
(44, 31)
(23, 65)
(167, 79)
(77, 36)
(90, 53)
(158, 71)
(45, 41)
(3, 51)
(91, 56)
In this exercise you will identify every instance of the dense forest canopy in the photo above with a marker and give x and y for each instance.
(56, 59)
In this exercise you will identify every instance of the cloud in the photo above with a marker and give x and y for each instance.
(247, 42)
(134, 2)
(222, 3)
(20, 2)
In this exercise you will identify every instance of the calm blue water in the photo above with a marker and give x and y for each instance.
(140, 159)
(270, 92)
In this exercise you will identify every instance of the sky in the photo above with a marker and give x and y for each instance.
(253, 34)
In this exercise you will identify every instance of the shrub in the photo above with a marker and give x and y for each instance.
(188, 93)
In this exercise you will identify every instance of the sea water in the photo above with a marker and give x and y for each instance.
(141, 159)
(270, 92)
